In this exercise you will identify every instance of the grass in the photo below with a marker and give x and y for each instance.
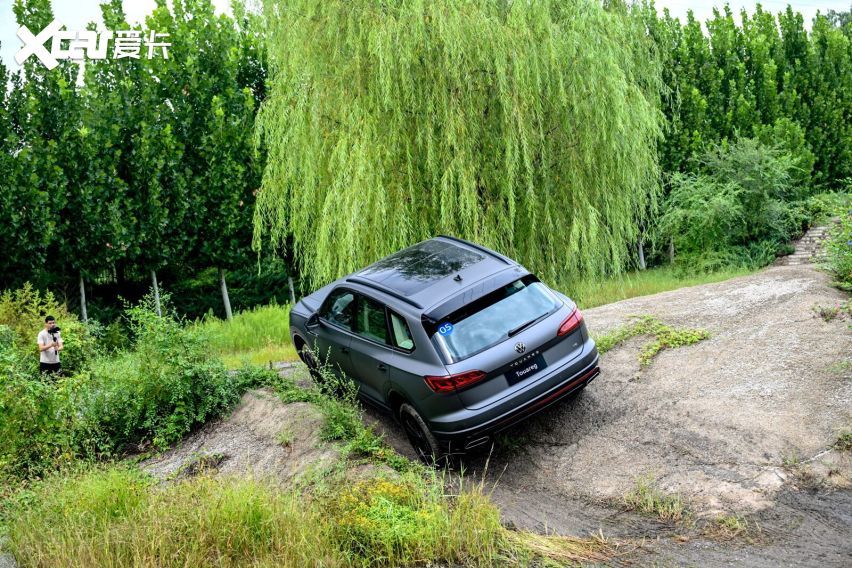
(254, 337)
(118, 516)
(844, 442)
(285, 437)
(647, 498)
(665, 337)
(730, 527)
(597, 292)
(840, 310)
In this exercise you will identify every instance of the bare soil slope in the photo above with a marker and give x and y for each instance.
(262, 437)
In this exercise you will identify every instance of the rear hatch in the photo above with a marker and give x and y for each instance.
(511, 336)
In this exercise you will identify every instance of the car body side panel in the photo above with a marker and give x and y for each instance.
(370, 367)
(331, 346)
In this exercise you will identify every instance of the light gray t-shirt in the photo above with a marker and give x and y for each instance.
(48, 355)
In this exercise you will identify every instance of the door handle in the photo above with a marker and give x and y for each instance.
(381, 367)
(345, 349)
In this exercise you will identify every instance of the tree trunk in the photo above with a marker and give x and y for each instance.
(292, 291)
(225, 299)
(156, 293)
(83, 312)
(642, 265)
(671, 251)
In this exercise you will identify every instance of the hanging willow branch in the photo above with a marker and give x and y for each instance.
(529, 127)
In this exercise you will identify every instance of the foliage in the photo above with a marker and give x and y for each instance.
(736, 211)
(528, 127)
(34, 416)
(822, 207)
(398, 523)
(160, 390)
(665, 337)
(768, 77)
(23, 311)
(838, 249)
(647, 498)
(146, 163)
(83, 518)
(162, 385)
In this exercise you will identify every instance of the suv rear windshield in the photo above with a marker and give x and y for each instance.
(490, 319)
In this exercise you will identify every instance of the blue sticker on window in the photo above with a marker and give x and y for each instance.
(445, 328)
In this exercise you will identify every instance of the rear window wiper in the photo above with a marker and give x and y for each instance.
(523, 326)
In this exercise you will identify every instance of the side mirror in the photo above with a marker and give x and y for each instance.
(313, 321)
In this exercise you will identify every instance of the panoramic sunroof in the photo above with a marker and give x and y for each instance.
(413, 269)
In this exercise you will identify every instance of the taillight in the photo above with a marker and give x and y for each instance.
(571, 323)
(451, 383)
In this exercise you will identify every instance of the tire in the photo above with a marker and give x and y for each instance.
(428, 448)
(307, 357)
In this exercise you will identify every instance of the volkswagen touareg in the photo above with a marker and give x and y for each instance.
(457, 341)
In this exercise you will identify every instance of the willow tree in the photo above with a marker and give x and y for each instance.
(529, 127)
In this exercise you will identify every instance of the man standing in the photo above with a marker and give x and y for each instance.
(49, 346)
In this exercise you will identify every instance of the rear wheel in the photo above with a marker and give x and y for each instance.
(428, 449)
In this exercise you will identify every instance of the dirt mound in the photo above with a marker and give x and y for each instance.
(263, 437)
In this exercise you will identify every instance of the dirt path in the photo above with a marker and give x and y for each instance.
(740, 423)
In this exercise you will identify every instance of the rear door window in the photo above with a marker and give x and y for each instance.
(494, 317)
(371, 322)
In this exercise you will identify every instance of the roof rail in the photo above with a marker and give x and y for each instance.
(480, 248)
(382, 289)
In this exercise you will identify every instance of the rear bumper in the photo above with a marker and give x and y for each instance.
(475, 427)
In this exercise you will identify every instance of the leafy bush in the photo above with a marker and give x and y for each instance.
(24, 310)
(839, 251)
(823, 206)
(737, 211)
(161, 389)
(155, 391)
(34, 417)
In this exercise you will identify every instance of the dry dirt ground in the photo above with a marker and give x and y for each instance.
(741, 424)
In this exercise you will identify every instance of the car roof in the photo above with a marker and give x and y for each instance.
(432, 270)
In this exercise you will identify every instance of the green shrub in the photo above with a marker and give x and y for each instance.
(34, 416)
(823, 206)
(737, 211)
(838, 250)
(162, 385)
(159, 391)
(24, 310)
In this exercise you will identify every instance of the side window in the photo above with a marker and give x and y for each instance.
(339, 308)
(400, 333)
(371, 320)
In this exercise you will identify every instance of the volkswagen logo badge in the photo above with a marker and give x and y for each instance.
(520, 347)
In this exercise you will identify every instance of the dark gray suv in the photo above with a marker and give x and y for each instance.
(457, 341)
